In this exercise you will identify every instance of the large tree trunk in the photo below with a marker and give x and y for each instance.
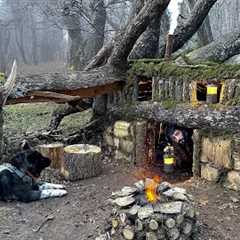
(133, 31)
(148, 44)
(219, 50)
(227, 120)
(204, 32)
(187, 29)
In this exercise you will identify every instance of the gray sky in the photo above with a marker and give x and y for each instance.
(174, 11)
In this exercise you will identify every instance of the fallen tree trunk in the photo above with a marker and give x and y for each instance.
(188, 28)
(219, 50)
(85, 84)
(197, 118)
(133, 31)
(63, 111)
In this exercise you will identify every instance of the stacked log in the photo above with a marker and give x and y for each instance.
(171, 216)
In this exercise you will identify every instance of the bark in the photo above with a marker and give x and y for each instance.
(68, 109)
(54, 152)
(99, 22)
(196, 118)
(219, 50)
(148, 44)
(84, 84)
(101, 57)
(134, 30)
(187, 29)
(81, 161)
(204, 32)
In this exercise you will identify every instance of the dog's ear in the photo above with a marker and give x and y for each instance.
(25, 145)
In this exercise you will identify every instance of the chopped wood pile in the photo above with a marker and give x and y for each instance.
(147, 212)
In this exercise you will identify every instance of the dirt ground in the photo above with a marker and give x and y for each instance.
(81, 214)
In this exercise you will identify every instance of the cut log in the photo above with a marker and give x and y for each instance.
(81, 161)
(54, 152)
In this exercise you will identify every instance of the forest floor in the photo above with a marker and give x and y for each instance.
(81, 214)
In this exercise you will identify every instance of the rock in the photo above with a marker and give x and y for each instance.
(161, 234)
(179, 219)
(234, 199)
(163, 187)
(115, 223)
(102, 237)
(169, 208)
(121, 129)
(134, 210)
(140, 185)
(233, 181)
(138, 225)
(172, 191)
(124, 201)
(153, 225)
(173, 234)
(187, 228)
(123, 218)
(233, 60)
(209, 173)
(145, 212)
(236, 160)
(151, 236)
(170, 223)
(126, 191)
(180, 196)
(128, 233)
(108, 139)
(126, 146)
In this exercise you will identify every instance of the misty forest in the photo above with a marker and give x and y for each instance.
(119, 119)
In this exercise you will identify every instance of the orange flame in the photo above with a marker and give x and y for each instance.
(151, 189)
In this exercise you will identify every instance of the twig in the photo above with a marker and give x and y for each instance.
(48, 218)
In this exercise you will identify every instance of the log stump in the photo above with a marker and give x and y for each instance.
(55, 152)
(81, 161)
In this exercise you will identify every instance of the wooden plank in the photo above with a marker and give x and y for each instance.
(67, 95)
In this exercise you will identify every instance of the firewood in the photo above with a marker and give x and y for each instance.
(81, 161)
(53, 151)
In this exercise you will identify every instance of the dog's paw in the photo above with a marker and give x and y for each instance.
(50, 193)
(45, 186)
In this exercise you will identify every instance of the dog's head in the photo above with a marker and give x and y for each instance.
(30, 160)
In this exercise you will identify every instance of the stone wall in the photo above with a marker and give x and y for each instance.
(219, 159)
(215, 158)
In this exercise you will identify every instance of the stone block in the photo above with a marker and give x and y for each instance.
(233, 181)
(108, 139)
(217, 150)
(209, 173)
(126, 146)
(122, 129)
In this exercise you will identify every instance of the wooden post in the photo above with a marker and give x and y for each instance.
(169, 46)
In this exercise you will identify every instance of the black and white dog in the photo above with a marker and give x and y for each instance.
(18, 178)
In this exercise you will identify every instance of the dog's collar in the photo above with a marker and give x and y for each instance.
(26, 176)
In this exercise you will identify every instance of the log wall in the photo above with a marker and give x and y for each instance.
(179, 90)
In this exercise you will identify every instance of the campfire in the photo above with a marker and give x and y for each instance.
(151, 210)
